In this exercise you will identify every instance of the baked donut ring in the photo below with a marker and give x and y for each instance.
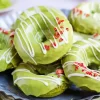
(85, 18)
(81, 64)
(43, 37)
(31, 83)
(8, 55)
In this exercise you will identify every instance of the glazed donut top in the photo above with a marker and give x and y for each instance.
(41, 34)
(83, 54)
(86, 17)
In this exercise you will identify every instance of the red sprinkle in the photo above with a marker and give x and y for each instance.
(5, 32)
(83, 70)
(76, 68)
(89, 73)
(95, 74)
(54, 43)
(61, 39)
(87, 15)
(95, 35)
(47, 47)
(61, 27)
(61, 32)
(59, 71)
(56, 35)
(12, 34)
(55, 29)
(80, 11)
(57, 18)
(80, 64)
(60, 21)
(67, 29)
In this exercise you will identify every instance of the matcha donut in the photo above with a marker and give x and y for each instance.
(8, 55)
(85, 18)
(43, 35)
(31, 83)
(82, 64)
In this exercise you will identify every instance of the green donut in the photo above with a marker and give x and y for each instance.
(31, 83)
(85, 18)
(82, 64)
(42, 37)
(8, 55)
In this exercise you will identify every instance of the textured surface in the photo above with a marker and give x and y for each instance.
(6, 84)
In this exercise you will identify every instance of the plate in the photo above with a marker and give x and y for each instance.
(10, 92)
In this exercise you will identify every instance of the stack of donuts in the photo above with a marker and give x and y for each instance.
(44, 55)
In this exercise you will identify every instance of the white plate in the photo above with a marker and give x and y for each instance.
(9, 8)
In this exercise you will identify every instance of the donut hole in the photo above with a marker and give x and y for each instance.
(94, 66)
(44, 39)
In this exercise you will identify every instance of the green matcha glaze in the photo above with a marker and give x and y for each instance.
(84, 54)
(5, 4)
(31, 83)
(8, 55)
(35, 39)
(86, 18)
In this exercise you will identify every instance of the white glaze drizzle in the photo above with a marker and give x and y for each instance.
(43, 15)
(20, 70)
(28, 43)
(24, 47)
(6, 55)
(55, 80)
(31, 78)
(42, 47)
(32, 50)
(83, 75)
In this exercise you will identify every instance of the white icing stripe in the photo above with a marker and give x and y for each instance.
(72, 54)
(24, 47)
(31, 78)
(6, 55)
(68, 63)
(43, 15)
(57, 81)
(3, 55)
(30, 48)
(42, 47)
(20, 70)
(9, 58)
(23, 38)
(83, 75)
